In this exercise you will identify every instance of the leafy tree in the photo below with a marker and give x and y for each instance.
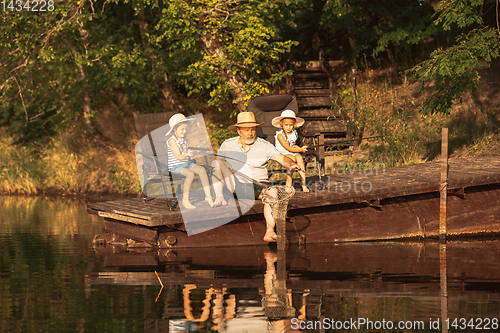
(368, 28)
(235, 41)
(453, 70)
(62, 65)
(28, 92)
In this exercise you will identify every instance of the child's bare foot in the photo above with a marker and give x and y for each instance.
(270, 236)
(210, 201)
(305, 189)
(219, 201)
(187, 204)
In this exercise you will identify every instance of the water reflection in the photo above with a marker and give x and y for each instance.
(53, 280)
(367, 286)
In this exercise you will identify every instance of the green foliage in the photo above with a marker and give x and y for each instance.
(371, 27)
(63, 55)
(234, 43)
(462, 13)
(400, 136)
(453, 70)
(220, 133)
(132, 48)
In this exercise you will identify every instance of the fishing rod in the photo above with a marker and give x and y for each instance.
(242, 175)
(231, 158)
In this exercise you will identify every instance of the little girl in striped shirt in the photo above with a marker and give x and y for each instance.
(180, 162)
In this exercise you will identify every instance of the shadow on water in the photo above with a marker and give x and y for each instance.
(53, 280)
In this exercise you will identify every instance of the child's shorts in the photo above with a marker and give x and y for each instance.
(180, 167)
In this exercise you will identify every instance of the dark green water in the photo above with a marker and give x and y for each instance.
(52, 279)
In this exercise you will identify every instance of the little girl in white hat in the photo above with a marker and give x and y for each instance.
(180, 162)
(285, 140)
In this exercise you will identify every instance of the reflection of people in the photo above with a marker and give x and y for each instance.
(188, 310)
(273, 300)
(221, 314)
(285, 140)
(257, 152)
(180, 162)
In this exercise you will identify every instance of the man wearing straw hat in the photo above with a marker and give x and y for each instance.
(247, 155)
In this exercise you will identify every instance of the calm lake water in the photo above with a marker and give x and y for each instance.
(52, 279)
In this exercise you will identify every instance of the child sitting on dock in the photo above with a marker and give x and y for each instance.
(285, 140)
(180, 162)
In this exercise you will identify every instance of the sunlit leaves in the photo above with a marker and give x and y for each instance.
(462, 13)
(242, 37)
(372, 27)
(454, 70)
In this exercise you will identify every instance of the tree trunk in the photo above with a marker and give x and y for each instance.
(167, 91)
(212, 48)
(171, 97)
(86, 112)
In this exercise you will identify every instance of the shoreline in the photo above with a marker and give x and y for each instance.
(91, 197)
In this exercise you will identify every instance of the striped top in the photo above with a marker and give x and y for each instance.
(172, 160)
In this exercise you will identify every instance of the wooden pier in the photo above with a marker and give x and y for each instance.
(364, 203)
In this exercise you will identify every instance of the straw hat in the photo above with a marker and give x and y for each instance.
(245, 119)
(276, 122)
(175, 120)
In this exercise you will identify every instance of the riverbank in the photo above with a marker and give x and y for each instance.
(67, 165)
(71, 164)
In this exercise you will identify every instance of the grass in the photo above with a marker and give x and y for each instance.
(66, 165)
(405, 136)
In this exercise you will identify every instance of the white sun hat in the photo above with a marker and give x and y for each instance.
(276, 122)
(175, 120)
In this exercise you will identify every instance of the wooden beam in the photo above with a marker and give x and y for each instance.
(443, 185)
(132, 231)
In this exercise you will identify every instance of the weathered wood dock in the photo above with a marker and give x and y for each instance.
(364, 203)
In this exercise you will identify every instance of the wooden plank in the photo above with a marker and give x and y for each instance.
(308, 92)
(132, 231)
(325, 127)
(310, 75)
(443, 185)
(307, 102)
(323, 114)
(124, 218)
(131, 259)
(384, 184)
(304, 84)
(151, 213)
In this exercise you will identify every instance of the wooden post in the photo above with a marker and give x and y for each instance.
(281, 233)
(281, 273)
(321, 152)
(443, 279)
(443, 185)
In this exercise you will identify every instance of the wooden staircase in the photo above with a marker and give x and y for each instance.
(313, 90)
